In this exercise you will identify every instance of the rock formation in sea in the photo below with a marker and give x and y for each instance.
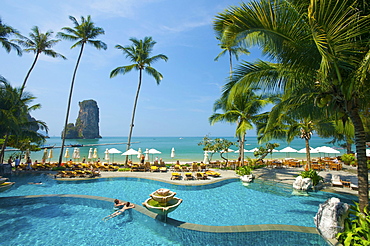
(87, 122)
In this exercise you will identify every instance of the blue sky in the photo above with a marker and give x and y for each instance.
(179, 106)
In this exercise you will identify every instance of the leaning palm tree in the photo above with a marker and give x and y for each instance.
(139, 53)
(324, 43)
(5, 32)
(84, 33)
(38, 43)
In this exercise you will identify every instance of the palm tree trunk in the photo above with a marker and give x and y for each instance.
(308, 154)
(28, 73)
(69, 105)
(242, 143)
(362, 170)
(3, 148)
(231, 63)
(133, 111)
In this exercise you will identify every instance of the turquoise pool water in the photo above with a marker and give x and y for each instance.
(222, 204)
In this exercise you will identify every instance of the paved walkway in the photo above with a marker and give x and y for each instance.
(283, 175)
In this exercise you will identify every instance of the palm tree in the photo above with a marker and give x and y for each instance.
(38, 43)
(14, 114)
(232, 47)
(84, 33)
(321, 44)
(139, 53)
(5, 32)
(243, 109)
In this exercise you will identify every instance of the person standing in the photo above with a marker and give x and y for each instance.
(17, 161)
(29, 163)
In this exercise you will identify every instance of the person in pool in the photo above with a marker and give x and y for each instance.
(118, 204)
(126, 205)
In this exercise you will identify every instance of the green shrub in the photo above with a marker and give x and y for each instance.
(356, 227)
(124, 169)
(244, 170)
(347, 158)
(58, 168)
(312, 174)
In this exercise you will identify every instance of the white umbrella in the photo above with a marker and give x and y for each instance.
(50, 154)
(312, 151)
(114, 151)
(173, 153)
(205, 160)
(252, 150)
(367, 152)
(288, 150)
(106, 157)
(139, 153)
(66, 154)
(77, 153)
(147, 155)
(45, 155)
(228, 151)
(327, 150)
(154, 151)
(131, 152)
(95, 155)
(74, 155)
(237, 151)
(90, 155)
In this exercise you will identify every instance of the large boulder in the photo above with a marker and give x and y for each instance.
(301, 183)
(330, 217)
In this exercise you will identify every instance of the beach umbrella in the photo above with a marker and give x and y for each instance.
(147, 154)
(131, 152)
(77, 153)
(45, 155)
(139, 153)
(205, 160)
(95, 154)
(50, 156)
(153, 152)
(312, 151)
(252, 150)
(66, 154)
(114, 151)
(274, 150)
(106, 157)
(237, 151)
(288, 150)
(367, 152)
(90, 155)
(327, 150)
(173, 153)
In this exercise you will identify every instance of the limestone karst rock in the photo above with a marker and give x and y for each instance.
(87, 123)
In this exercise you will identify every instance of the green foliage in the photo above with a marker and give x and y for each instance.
(124, 169)
(244, 170)
(262, 152)
(217, 145)
(60, 168)
(356, 227)
(312, 174)
(347, 158)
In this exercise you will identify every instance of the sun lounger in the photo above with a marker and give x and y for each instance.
(189, 176)
(201, 175)
(176, 176)
(213, 173)
(336, 181)
(154, 169)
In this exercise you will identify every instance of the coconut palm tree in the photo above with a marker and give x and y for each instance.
(38, 43)
(5, 32)
(243, 109)
(84, 33)
(232, 47)
(321, 44)
(139, 53)
(14, 114)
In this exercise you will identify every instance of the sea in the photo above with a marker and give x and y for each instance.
(186, 149)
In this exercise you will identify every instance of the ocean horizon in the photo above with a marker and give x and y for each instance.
(186, 148)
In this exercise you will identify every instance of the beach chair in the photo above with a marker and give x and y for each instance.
(175, 176)
(154, 169)
(336, 181)
(163, 169)
(189, 176)
(201, 175)
(213, 173)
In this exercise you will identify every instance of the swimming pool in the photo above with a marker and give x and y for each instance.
(226, 203)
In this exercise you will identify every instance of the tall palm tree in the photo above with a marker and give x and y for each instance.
(323, 44)
(232, 47)
(5, 32)
(38, 43)
(84, 33)
(139, 53)
(243, 109)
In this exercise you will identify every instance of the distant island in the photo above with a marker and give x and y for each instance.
(87, 122)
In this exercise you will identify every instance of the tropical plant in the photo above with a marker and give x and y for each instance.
(5, 32)
(16, 127)
(347, 158)
(262, 152)
(243, 108)
(244, 170)
(321, 44)
(84, 33)
(139, 53)
(217, 145)
(313, 175)
(38, 43)
(356, 227)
